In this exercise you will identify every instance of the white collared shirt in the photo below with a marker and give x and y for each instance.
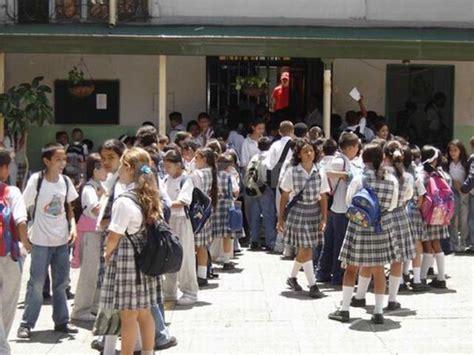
(276, 151)
(127, 216)
(249, 150)
(287, 181)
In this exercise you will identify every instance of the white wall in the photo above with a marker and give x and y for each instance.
(138, 77)
(369, 76)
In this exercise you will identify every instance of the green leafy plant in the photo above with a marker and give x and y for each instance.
(76, 76)
(250, 81)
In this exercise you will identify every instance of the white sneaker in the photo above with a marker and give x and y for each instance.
(84, 318)
(186, 301)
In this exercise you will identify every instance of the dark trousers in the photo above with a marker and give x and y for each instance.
(329, 265)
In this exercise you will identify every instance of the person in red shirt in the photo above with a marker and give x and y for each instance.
(281, 94)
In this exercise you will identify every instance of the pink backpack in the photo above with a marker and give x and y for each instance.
(438, 203)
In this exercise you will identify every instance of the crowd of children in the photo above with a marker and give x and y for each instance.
(300, 187)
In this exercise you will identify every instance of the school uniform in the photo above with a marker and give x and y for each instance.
(302, 222)
(227, 185)
(401, 232)
(414, 213)
(120, 290)
(185, 279)
(203, 181)
(362, 246)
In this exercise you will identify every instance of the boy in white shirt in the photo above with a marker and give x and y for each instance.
(51, 194)
(10, 259)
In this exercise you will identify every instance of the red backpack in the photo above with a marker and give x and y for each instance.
(8, 236)
(438, 203)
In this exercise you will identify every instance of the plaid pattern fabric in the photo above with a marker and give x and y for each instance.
(220, 217)
(204, 237)
(120, 290)
(302, 224)
(417, 225)
(434, 232)
(362, 246)
(402, 235)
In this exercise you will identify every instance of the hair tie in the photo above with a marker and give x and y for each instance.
(397, 153)
(145, 169)
(432, 159)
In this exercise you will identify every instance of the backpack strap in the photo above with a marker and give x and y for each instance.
(66, 204)
(38, 188)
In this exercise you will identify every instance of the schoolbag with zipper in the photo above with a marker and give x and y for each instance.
(438, 206)
(8, 236)
(255, 177)
(364, 209)
(200, 208)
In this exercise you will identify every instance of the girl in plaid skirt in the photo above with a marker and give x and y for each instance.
(228, 190)
(122, 290)
(306, 219)
(205, 178)
(362, 246)
(432, 158)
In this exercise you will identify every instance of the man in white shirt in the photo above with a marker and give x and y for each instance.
(250, 144)
(176, 123)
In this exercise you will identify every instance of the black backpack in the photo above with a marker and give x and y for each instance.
(162, 253)
(200, 208)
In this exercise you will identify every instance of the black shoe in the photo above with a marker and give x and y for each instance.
(430, 271)
(228, 266)
(202, 282)
(377, 318)
(23, 332)
(406, 278)
(340, 316)
(69, 294)
(419, 287)
(293, 283)
(358, 303)
(438, 284)
(254, 246)
(97, 345)
(314, 292)
(393, 306)
(65, 328)
(172, 342)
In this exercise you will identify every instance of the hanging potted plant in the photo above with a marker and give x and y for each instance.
(254, 86)
(22, 106)
(79, 86)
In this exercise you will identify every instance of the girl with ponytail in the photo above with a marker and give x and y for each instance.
(131, 210)
(205, 179)
(362, 246)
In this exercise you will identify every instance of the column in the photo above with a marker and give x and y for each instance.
(327, 89)
(162, 95)
(2, 90)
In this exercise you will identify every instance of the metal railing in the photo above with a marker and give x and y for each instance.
(69, 11)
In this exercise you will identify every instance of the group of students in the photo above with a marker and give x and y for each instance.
(299, 187)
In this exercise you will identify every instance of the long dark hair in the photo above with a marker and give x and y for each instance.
(299, 143)
(372, 156)
(394, 152)
(93, 162)
(210, 157)
(428, 152)
(463, 158)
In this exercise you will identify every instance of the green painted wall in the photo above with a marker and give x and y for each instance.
(464, 133)
(39, 136)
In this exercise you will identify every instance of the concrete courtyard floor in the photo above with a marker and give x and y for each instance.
(250, 310)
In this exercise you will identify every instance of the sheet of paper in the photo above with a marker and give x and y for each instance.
(101, 101)
(355, 94)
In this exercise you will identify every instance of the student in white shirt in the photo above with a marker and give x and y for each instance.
(10, 261)
(250, 144)
(53, 229)
(176, 122)
(180, 189)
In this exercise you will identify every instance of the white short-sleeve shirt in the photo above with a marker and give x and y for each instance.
(89, 198)
(180, 193)
(287, 181)
(127, 216)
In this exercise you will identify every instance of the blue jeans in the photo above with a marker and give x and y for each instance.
(329, 264)
(263, 209)
(162, 335)
(41, 259)
(471, 219)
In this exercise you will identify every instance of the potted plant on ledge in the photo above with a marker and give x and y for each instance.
(79, 86)
(253, 86)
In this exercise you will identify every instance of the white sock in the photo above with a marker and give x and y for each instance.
(378, 309)
(416, 275)
(226, 258)
(347, 292)
(309, 272)
(426, 264)
(393, 286)
(110, 343)
(406, 268)
(296, 269)
(202, 272)
(138, 339)
(362, 287)
(440, 265)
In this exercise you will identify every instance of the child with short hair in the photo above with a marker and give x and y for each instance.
(51, 194)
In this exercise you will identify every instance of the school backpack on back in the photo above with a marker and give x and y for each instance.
(75, 158)
(255, 177)
(438, 203)
(8, 237)
(364, 209)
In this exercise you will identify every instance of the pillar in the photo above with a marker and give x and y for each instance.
(327, 92)
(2, 90)
(162, 95)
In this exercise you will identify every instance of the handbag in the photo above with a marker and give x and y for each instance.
(297, 197)
(107, 322)
(235, 213)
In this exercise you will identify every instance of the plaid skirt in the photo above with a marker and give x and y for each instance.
(220, 221)
(434, 232)
(120, 290)
(363, 247)
(100, 279)
(302, 226)
(416, 224)
(402, 235)
(204, 237)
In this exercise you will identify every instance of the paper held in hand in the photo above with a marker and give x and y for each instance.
(355, 94)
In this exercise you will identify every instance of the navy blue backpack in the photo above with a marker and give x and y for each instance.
(365, 208)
